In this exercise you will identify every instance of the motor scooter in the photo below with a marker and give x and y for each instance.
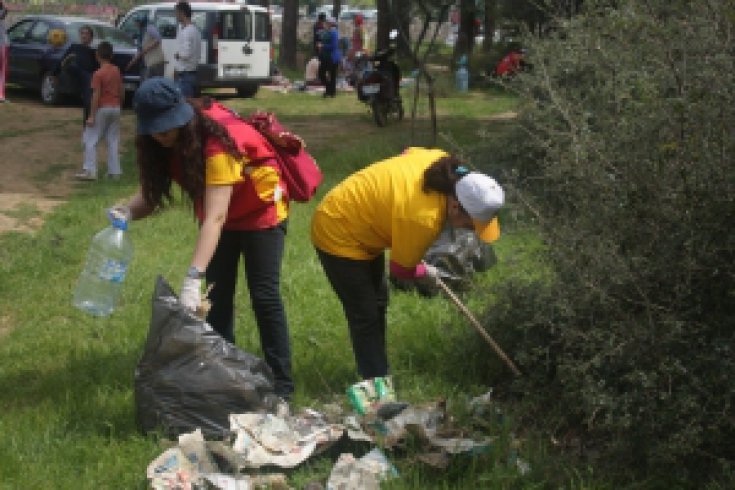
(378, 83)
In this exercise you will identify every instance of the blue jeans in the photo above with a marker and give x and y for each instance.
(362, 288)
(263, 252)
(187, 83)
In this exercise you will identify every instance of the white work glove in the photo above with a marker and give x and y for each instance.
(431, 278)
(432, 273)
(120, 212)
(191, 293)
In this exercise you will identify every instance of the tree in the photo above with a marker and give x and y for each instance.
(403, 23)
(624, 157)
(489, 23)
(384, 23)
(467, 29)
(289, 38)
(336, 8)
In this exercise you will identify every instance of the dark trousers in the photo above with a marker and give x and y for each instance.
(362, 288)
(262, 251)
(328, 76)
(187, 83)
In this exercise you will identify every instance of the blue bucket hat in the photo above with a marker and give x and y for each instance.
(160, 106)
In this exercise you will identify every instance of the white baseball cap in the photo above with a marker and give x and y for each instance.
(481, 196)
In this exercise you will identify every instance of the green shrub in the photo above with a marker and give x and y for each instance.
(624, 152)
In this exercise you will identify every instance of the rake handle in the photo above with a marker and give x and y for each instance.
(478, 327)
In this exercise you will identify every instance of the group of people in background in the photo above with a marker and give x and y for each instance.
(333, 53)
(101, 83)
(230, 175)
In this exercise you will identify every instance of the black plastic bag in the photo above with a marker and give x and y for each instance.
(189, 376)
(457, 253)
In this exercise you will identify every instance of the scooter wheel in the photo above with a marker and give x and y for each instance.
(380, 112)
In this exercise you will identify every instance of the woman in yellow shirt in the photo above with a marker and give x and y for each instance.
(401, 204)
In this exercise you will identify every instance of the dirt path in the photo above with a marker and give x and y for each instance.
(40, 151)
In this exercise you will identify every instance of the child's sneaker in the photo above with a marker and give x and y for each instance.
(86, 175)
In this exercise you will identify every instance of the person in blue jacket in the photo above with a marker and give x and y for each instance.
(330, 58)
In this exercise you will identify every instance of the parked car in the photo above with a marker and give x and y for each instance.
(236, 42)
(39, 43)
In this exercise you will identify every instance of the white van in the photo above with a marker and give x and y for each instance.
(236, 42)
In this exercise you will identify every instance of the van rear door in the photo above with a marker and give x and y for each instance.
(261, 44)
(242, 51)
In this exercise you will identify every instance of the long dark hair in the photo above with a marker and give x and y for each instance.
(443, 174)
(154, 160)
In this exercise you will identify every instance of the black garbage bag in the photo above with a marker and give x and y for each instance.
(457, 253)
(189, 376)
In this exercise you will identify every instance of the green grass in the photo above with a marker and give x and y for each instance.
(66, 379)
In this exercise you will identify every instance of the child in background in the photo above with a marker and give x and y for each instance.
(108, 95)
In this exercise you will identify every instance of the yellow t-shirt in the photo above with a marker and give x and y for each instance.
(380, 207)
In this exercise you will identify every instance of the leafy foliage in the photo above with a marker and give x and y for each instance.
(624, 153)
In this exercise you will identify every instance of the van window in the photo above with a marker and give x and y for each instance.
(235, 26)
(166, 23)
(130, 26)
(262, 27)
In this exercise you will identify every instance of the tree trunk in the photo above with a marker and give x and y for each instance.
(403, 13)
(336, 8)
(289, 27)
(489, 24)
(384, 23)
(466, 36)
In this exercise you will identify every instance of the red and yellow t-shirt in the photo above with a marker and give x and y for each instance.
(258, 199)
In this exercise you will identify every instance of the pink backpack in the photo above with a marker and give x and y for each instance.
(299, 171)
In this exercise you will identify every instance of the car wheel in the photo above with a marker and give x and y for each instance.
(247, 91)
(49, 89)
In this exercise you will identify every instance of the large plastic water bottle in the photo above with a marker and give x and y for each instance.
(104, 272)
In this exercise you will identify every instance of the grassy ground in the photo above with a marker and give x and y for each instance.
(68, 417)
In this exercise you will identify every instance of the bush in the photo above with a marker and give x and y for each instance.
(624, 149)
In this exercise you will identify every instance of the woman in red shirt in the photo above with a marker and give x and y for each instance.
(228, 173)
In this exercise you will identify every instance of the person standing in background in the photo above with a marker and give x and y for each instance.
(357, 47)
(319, 26)
(81, 63)
(108, 95)
(150, 51)
(188, 51)
(329, 58)
(357, 43)
(4, 50)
